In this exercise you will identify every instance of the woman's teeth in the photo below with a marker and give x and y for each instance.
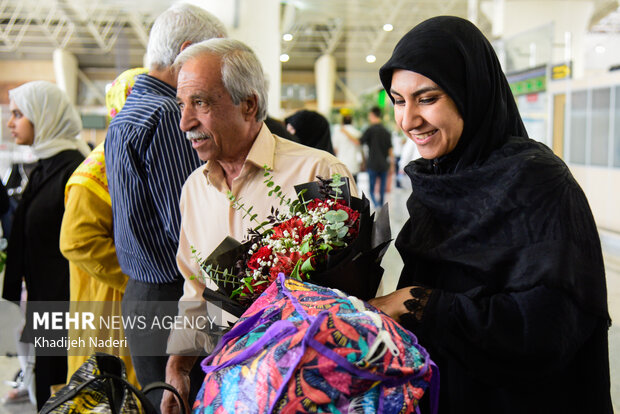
(426, 135)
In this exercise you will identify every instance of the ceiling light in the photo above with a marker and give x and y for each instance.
(599, 49)
(371, 58)
(287, 37)
(388, 27)
(284, 57)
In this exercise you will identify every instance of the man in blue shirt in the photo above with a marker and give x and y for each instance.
(148, 159)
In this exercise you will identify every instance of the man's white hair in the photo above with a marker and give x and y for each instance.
(242, 72)
(180, 23)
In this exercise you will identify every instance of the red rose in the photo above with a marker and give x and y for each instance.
(286, 264)
(262, 254)
(314, 204)
(293, 225)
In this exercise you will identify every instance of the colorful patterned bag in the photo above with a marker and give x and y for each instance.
(306, 348)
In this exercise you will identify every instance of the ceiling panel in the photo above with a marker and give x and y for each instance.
(113, 33)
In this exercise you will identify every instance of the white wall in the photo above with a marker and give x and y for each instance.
(574, 16)
(595, 62)
(601, 188)
(259, 28)
(257, 24)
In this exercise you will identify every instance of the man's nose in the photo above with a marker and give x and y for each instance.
(188, 120)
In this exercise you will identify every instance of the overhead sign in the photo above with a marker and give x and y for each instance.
(563, 71)
(528, 81)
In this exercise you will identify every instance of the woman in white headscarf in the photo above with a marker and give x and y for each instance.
(42, 117)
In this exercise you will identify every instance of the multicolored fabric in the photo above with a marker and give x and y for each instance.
(91, 174)
(306, 348)
(116, 96)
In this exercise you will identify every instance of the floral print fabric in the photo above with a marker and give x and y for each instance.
(306, 348)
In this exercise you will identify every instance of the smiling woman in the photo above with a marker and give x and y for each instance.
(503, 278)
(425, 113)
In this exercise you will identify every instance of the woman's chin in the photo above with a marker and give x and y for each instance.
(428, 153)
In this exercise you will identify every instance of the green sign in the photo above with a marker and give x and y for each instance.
(531, 85)
(381, 98)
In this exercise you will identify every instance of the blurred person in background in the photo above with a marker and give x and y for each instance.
(42, 117)
(380, 161)
(347, 144)
(311, 128)
(278, 128)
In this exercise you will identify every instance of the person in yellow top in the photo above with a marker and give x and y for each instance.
(86, 240)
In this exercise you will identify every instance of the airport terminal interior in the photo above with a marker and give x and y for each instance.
(560, 57)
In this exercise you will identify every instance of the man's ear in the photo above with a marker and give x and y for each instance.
(184, 45)
(250, 107)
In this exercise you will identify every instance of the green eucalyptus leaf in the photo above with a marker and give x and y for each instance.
(336, 215)
(336, 225)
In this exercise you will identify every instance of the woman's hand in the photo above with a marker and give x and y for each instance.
(393, 304)
(412, 300)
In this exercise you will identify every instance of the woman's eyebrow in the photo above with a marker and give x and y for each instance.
(419, 91)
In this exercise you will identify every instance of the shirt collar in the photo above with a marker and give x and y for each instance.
(262, 153)
(152, 84)
(263, 150)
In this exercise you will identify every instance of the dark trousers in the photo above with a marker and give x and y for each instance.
(372, 179)
(48, 371)
(148, 346)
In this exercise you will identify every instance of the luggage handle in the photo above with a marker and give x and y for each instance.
(141, 395)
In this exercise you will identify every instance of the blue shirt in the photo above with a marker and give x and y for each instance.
(147, 161)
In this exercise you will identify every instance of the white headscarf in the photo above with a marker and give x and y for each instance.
(56, 122)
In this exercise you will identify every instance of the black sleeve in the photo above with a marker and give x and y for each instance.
(506, 333)
(4, 200)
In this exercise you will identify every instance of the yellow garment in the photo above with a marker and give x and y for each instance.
(97, 282)
(121, 88)
(91, 174)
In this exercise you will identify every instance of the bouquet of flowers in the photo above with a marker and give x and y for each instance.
(324, 236)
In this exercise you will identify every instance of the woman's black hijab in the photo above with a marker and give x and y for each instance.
(454, 54)
(500, 208)
(312, 129)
